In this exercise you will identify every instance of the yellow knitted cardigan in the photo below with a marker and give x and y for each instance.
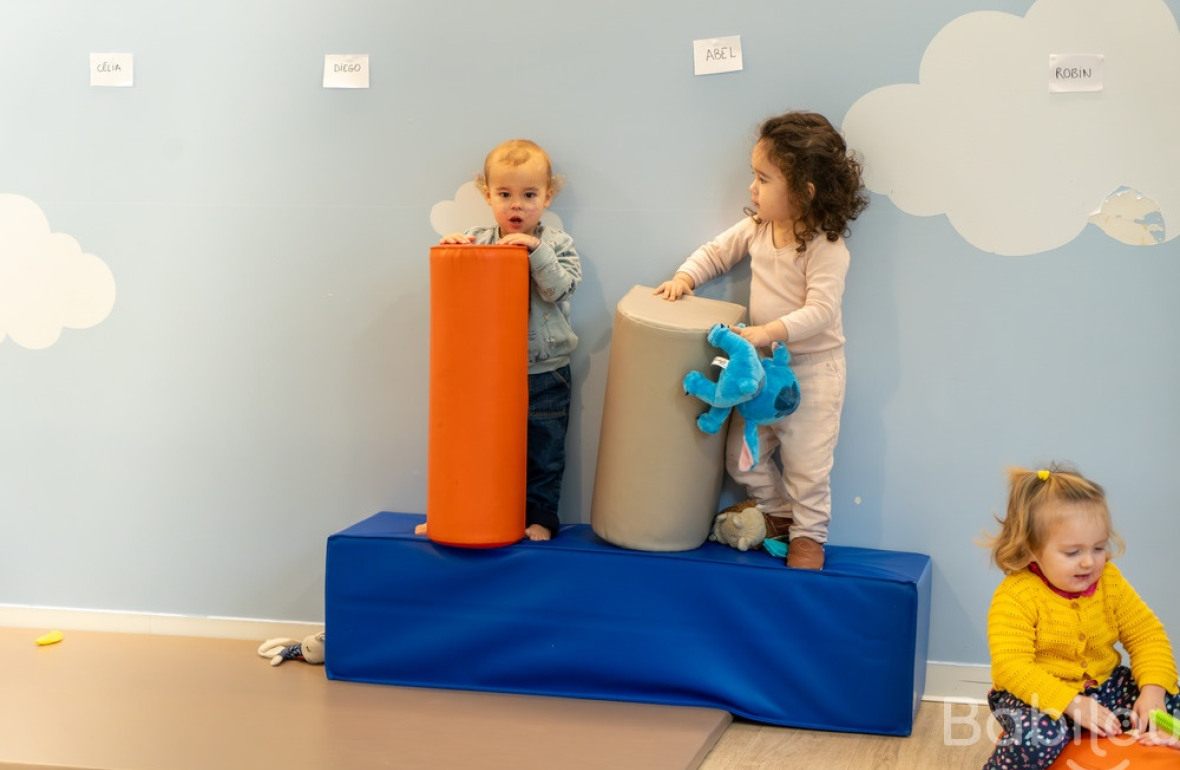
(1045, 647)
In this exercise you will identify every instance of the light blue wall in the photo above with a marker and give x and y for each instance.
(260, 382)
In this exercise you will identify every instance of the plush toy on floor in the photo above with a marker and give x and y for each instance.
(764, 390)
(310, 650)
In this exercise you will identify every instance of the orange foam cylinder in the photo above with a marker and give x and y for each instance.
(479, 395)
(1118, 753)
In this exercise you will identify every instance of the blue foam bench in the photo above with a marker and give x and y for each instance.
(843, 649)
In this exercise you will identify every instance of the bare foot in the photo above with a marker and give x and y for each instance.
(420, 529)
(536, 532)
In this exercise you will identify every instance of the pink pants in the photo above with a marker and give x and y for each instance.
(806, 443)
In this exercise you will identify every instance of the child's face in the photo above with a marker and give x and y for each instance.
(1075, 551)
(768, 191)
(518, 195)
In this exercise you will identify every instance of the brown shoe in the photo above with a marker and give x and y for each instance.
(805, 553)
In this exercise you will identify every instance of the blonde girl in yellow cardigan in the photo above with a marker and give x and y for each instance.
(1055, 619)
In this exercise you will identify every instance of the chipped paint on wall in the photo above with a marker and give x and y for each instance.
(1131, 217)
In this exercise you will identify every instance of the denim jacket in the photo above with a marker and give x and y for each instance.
(554, 273)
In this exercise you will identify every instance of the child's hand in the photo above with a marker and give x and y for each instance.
(454, 238)
(1093, 716)
(755, 335)
(1151, 697)
(763, 336)
(521, 239)
(1157, 737)
(676, 288)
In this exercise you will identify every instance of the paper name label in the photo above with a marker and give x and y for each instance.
(717, 54)
(112, 69)
(1073, 72)
(346, 70)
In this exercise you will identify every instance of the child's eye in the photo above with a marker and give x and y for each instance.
(530, 195)
(1071, 554)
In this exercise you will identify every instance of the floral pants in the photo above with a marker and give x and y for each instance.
(1033, 739)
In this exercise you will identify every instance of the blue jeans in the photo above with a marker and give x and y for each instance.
(549, 417)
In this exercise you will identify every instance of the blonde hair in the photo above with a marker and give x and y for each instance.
(516, 152)
(1024, 530)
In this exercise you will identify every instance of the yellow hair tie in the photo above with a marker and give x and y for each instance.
(1043, 474)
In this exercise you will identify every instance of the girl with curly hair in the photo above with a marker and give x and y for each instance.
(806, 189)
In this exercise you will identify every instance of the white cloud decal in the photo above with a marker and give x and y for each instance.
(469, 209)
(1019, 170)
(46, 282)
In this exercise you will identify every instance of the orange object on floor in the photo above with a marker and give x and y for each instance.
(1118, 753)
(479, 395)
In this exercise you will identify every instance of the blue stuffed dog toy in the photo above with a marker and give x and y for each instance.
(764, 390)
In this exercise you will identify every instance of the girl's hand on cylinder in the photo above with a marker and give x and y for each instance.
(530, 242)
(457, 238)
(680, 285)
(1093, 716)
(1151, 698)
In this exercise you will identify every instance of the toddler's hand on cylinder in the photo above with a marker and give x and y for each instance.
(680, 285)
(457, 238)
(1093, 716)
(530, 242)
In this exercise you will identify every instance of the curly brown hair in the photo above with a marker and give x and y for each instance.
(821, 173)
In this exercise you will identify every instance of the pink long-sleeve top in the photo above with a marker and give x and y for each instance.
(804, 291)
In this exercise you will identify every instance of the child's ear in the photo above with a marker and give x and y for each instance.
(556, 183)
(811, 191)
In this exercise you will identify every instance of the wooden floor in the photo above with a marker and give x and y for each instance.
(103, 701)
(946, 737)
(142, 702)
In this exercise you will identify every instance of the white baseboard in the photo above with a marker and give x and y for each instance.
(64, 618)
(957, 682)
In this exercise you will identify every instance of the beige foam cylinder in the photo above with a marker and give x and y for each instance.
(658, 477)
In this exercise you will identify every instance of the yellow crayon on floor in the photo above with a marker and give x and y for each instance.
(53, 637)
